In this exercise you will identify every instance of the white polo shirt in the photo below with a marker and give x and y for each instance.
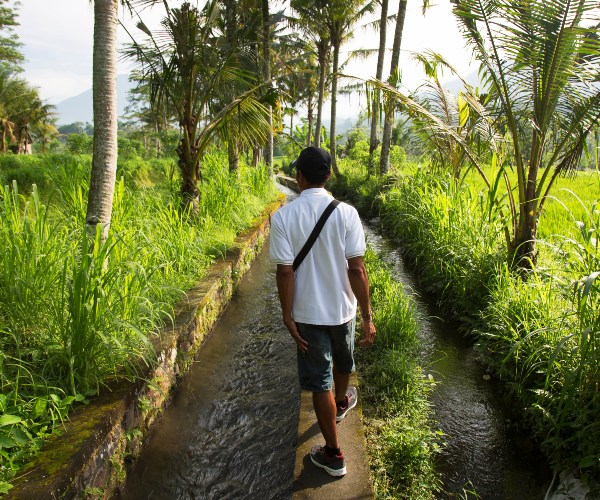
(322, 292)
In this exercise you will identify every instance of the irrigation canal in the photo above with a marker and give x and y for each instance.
(230, 431)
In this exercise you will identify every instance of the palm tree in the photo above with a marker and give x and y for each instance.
(393, 80)
(373, 141)
(445, 151)
(231, 25)
(104, 161)
(311, 20)
(266, 43)
(342, 17)
(541, 61)
(211, 89)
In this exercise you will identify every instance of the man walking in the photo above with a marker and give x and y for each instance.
(319, 296)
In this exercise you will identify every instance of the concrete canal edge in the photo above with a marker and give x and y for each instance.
(88, 458)
(311, 482)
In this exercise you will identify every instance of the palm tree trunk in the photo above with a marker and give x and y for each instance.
(322, 55)
(190, 171)
(310, 117)
(266, 24)
(231, 23)
(384, 162)
(334, 84)
(104, 162)
(374, 141)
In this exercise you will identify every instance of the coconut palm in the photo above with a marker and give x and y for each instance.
(210, 88)
(373, 140)
(445, 151)
(342, 17)
(266, 44)
(310, 18)
(104, 161)
(540, 60)
(394, 80)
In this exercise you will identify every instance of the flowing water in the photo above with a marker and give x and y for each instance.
(230, 431)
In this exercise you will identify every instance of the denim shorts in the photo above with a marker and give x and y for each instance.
(328, 346)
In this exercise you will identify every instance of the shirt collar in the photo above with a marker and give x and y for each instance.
(313, 191)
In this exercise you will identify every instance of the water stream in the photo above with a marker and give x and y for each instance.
(484, 452)
(230, 431)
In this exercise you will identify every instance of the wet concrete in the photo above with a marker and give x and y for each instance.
(311, 483)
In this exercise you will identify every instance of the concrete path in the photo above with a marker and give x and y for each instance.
(311, 482)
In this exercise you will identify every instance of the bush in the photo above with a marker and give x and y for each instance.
(80, 144)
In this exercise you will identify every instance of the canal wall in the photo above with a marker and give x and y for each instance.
(88, 458)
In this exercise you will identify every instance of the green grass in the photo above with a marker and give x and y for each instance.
(76, 312)
(401, 441)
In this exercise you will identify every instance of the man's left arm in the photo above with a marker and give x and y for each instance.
(285, 288)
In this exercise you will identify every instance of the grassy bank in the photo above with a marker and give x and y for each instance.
(401, 441)
(77, 313)
(540, 335)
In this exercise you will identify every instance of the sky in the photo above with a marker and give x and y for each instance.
(57, 44)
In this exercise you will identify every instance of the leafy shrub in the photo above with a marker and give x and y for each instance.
(79, 144)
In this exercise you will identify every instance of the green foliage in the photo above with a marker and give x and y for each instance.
(75, 311)
(401, 442)
(128, 147)
(10, 53)
(447, 231)
(80, 144)
(26, 170)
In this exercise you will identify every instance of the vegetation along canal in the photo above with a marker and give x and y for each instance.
(231, 429)
(484, 453)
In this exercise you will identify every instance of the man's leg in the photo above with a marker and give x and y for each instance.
(341, 381)
(325, 409)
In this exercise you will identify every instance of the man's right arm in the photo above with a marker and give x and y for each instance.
(285, 288)
(359, 281)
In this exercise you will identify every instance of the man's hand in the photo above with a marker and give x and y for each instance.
(368, 332)
(285, 287)
(300, 342)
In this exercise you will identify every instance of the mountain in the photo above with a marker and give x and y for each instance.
(79, 108)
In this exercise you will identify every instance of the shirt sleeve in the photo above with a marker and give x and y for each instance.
(355, 235)
(280, 249)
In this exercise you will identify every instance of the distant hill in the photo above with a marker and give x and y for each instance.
(79, 108)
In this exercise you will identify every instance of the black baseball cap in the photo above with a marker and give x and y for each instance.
(314, 160)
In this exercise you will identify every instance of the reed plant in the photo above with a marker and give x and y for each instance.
(450, 234)
(78, 312)
(544, 334)
(402, 442)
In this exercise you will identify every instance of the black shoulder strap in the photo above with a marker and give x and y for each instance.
(315, 234)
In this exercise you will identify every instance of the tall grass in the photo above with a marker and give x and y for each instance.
(545, 331)
(77, 312)
(402, 443)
